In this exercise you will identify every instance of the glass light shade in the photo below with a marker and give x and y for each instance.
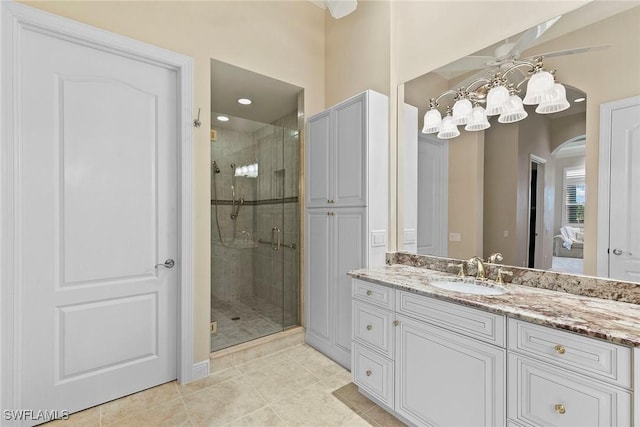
(515, 111)
(497, 100)
(539, 88)
(477, 120)
(461, 110)
(432, 121)
(557, 103)
(449, 129)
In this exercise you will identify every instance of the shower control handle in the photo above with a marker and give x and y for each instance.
(168, 264)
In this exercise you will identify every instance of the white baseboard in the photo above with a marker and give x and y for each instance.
(200, 370)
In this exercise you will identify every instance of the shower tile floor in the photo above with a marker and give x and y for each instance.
(254, 318)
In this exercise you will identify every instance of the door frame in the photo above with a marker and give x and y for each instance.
(539, 220)
(13, 17)
(604, 180)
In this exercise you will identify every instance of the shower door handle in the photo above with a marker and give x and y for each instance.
(275, 246)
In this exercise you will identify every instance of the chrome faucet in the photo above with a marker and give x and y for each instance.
(480, 267)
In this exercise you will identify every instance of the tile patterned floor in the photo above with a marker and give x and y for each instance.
(255, 318)
(294, 387)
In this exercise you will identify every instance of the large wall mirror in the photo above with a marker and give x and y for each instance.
(528, 188)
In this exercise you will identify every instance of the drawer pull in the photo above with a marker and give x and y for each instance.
(560, 350)
(396, 322)
(369, 374)
(369, 293)
(369, 327)
(560, 409)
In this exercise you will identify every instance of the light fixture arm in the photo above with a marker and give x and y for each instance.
(449, 92)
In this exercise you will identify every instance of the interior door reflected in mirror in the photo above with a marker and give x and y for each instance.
(506, 143)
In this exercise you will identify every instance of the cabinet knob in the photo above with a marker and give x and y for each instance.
(369, 373)
(560, 349)
(560, 409)
(369, 327)
(396, 322)
(369, 293)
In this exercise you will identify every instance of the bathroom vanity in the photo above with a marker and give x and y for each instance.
(528, 357)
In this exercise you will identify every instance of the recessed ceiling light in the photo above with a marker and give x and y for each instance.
(244, 101)
(223, 118)
(579, 99)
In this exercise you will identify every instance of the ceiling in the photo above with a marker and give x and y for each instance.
(272, 99)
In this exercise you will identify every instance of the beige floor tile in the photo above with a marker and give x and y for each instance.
(278, 380)
(261, 417)
(318, 364)
(313, 406)
(213, 379)
(221, 363)
(138, 402)
(338, 380)
(172, 414)
(360, 421)
(222, 403)
(87, 418)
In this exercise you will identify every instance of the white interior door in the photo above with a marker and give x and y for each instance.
(97, 204)
(624, 211)
(433, 196)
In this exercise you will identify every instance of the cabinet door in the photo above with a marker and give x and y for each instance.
(318, 154)
(445, 379)
(350, 155)
(542, 395)
(318, 304)
(349, 254)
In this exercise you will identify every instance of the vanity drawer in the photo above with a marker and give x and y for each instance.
(471, 322)
(598, 359)
(372, 326)
(373, 373)
(372, 293)
(544, 395)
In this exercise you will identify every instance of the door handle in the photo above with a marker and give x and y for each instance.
(276, 246)
(168, 264)
(617, 251)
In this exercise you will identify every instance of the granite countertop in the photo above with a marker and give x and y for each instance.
(613, 321)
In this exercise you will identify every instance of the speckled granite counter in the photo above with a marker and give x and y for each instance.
(613, 321)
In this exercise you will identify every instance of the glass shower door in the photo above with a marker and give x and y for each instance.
(255, 261)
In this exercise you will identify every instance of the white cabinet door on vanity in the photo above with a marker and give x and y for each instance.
(446, 379)
(336, 245)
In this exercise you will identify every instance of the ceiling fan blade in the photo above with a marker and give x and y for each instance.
(486, 73)
(529, 36)
(467, 63)
(570, 51)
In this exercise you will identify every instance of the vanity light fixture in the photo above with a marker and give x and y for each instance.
(244, 101)
(222, 118)
(501, 98)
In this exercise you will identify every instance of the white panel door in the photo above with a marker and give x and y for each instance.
(624, 219)
(433, 170)
(318, 296)
(97, 205)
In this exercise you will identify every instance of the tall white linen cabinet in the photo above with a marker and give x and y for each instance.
(347, 194)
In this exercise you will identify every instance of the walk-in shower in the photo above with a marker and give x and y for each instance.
(255, 229)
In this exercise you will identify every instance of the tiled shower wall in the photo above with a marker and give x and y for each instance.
(259, 271)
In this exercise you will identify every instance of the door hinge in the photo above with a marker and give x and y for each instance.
(214, 327)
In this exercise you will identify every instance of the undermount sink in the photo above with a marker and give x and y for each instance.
(467, 285)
